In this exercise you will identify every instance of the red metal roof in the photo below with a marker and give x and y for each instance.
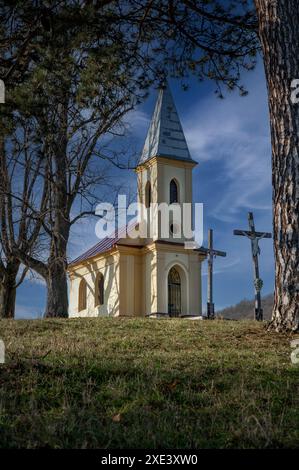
(104, 245)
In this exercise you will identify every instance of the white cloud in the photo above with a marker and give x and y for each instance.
(234, 132)
(224, 266)
(35, 278)
(25, 312)
(137, 121)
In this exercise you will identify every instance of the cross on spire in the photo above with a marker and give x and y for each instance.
(254, 237)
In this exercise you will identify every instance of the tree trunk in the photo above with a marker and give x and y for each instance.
(8, 291)
(7, 300)
(57, 289)
(57, 297)
(279, 35)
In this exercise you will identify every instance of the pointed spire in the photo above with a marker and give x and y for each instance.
(165, 136)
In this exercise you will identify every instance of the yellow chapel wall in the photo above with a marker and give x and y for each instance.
(132, 281)
(110, 268)
(188, 264)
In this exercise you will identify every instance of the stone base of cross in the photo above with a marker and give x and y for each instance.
(210, 310)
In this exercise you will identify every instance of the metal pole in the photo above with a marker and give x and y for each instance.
(210, 304)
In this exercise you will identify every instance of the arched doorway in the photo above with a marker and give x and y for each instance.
(174, 293)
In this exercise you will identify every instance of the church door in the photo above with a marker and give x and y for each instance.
(174, 293)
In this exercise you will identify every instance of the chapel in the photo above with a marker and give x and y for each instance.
(154, 275)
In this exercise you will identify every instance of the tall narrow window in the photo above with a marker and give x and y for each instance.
(82, 295)
(99, 290)
(174, 193)
(148, 194)
(174, 293)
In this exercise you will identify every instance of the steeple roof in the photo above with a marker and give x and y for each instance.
(165, 136)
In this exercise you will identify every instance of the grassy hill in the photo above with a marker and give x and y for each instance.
(244, 309)
(142, 383)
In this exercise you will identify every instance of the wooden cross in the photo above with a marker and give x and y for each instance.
(258, 283)
(211, 255)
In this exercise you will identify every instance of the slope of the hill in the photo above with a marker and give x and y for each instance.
(245, 309)
(129, 383)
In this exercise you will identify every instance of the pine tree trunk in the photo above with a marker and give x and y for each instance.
(57, 288)
(57, 297)
(279, 35)
(8, 292)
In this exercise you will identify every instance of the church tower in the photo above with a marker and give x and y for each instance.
(164, 175)
(164, 171)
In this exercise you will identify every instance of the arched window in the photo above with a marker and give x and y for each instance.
(174, 277)
(148, 194)
(174, 192)
(175, 230)
(99, 290)
(82, 295)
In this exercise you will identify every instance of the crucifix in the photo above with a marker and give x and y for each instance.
(211, 255)
(254, 237)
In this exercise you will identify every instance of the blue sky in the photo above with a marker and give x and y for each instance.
(230, 140)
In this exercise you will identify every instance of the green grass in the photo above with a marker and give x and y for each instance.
(142, 383)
